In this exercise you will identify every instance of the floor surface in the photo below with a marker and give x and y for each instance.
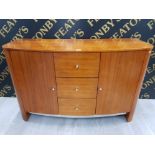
(11, 122)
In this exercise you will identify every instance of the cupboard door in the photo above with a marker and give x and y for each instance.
(119, 80)
(35, 81)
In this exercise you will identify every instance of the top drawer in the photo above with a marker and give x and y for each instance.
(77, 64)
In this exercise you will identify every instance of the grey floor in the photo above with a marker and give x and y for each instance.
(12, 123)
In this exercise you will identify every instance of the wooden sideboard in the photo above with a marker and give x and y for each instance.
(77, 77)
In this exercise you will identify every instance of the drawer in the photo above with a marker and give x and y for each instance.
(76, 64)
(77, 87)
(77, 106)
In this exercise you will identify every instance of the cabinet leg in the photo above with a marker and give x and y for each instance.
(129, 116)
(25, 116)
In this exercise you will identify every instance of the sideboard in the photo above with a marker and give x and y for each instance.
(83, 77)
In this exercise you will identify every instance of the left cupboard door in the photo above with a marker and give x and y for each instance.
(34, 80)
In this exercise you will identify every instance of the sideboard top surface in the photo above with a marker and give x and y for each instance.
(81, 45)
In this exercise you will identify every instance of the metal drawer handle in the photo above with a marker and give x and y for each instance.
(76, 108)
(76, 89)
(77, 66)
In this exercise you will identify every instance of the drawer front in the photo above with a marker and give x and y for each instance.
(77, 87)
(77, 106)
(77, 64)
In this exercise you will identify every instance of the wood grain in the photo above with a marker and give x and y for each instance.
(87, 64)
(130, 114)
(24, 111)
(77, 87)
(99, 76)
(77, 106)
(77, 45)
(119, 76)
(35, 76)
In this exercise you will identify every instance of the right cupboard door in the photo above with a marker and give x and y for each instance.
(119, 79)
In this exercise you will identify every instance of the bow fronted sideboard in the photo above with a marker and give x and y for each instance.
(83, 77)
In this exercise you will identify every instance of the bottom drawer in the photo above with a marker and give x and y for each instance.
(77, 106)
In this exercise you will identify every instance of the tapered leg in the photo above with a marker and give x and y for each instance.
(25, 116)
(129, 116)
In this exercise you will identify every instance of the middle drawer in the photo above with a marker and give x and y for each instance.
(77, 87)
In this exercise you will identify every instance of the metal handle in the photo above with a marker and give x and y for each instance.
(76, 108)
(52, 89)
(100, 89)
(77, 66)
(76, 89)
